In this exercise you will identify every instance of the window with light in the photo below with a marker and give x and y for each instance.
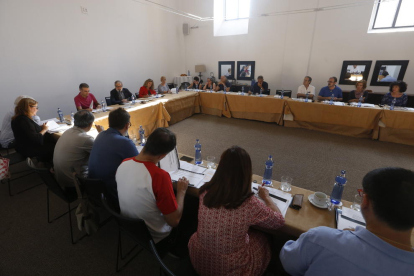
(392, 16)
(237, 9)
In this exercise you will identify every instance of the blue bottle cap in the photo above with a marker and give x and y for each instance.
(343, 171)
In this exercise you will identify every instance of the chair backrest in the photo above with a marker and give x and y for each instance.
(135, 228)
(108, 101)
(170, 85)
(48, 179)
(287, 93)
(183, 85)
(93, 188)
(157, 256)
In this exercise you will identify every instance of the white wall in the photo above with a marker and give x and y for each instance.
(48, 47)
(288, 47)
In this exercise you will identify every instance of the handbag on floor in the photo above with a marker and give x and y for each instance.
(4, 168)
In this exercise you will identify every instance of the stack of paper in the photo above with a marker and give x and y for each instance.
(196, 175)
(54, 127)
(349, 218)
(281, 199)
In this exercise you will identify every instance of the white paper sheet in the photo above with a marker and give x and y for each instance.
(193, 178)
(91, 105)
(53, 126)
(191, 167)
(346, 216)
(283, 206)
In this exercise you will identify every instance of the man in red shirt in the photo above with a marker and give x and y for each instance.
(85, 99)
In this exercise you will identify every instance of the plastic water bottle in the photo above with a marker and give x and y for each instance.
(307, 97)
(281, 93)
(338, 189)
(177, 89)
(133, 99)
(331, 102)
(60, 113)
(211, 89)
(72, 118)
(267, 176)
(103, 106)
(197, 147)
(242, 90)
(359, 102)
(261, 92)
(393, 104)
(141, 136)
(185, 87)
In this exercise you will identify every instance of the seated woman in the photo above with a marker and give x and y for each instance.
(210, 85)
(354, 95)
(163, 87)
(147, 89)
(397, 90)
(195, 84)
(224, 243)
(31, 139)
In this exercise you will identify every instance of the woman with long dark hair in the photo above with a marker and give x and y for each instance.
(224, 243)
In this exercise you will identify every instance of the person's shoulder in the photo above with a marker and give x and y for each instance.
(339, 88)
(323, 235)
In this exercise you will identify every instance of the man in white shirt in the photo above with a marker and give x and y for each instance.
(306, 87)
(73, 148)
(146, 192)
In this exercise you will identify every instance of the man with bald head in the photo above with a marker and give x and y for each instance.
(223, 85)
(119, 94)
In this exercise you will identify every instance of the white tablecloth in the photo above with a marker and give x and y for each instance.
(179, 80)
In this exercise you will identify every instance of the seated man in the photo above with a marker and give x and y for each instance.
(382, 248)
(120, 95)
(327, 91)
(146, 192)
(195, 84)
(85, 99)
(109, 149)
(73, 148)
(223, 85)
(387, 77)
(306, 87)
(260, 85)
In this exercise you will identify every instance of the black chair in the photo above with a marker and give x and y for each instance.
(53, 186)
(137, 230)
(164, 269)
(170, 85)
(16, 158)
(183, 84)
(287, 93)
(108, 101)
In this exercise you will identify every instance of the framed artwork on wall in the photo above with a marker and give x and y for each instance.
(354, 70)
(226, 68)
(245, 70)
(387, 71)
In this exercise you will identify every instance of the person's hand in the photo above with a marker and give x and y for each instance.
(124, 100)
(99, 106)
(260, 85)
(263, 193)
(250, 92)
(99, 128)
(335, 98)
(90, 109)
(45, 127)
(349, 229)
(182, 185)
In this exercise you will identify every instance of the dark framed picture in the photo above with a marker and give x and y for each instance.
(354, 70)
(245, 70)
(387, 71)
(226, 68)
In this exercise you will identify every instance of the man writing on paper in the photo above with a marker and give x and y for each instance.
(85, 99)
(146, 192)
(383, 248)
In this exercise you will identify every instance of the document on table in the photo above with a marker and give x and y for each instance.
(191, 167)
(281, 199)
(349, 218)
(196, 175)
(54, 127)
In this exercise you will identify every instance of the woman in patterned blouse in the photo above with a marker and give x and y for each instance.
(397, 90)
(224, 243)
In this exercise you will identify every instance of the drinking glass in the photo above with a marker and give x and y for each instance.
(286, 183)
(210, 162)
(357, 203)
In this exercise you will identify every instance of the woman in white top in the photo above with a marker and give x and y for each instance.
(163, 87)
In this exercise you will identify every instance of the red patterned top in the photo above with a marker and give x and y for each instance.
(224, 244)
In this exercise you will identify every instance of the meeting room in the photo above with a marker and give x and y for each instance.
(207, 137)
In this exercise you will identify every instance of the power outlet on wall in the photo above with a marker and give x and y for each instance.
(84, 10)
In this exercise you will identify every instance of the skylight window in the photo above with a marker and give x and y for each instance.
(392, 16)
(237, 9)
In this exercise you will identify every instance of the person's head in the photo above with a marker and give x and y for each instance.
(223, 78)
(17, 100)
(84, 89)
(118, 85)
(361, 85)
(231, 184)
(149, 84)
(160, 143)
(348, 75)
(332, 81)
(307, 80)
(389, 197)
(229, 70)
(355, 66)
(84, 119)
(209, 81)
(196, 79)
(385, 73)
(27, 107)
(119, 119)
(398, 86)
(163, 79)
(260, 79)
